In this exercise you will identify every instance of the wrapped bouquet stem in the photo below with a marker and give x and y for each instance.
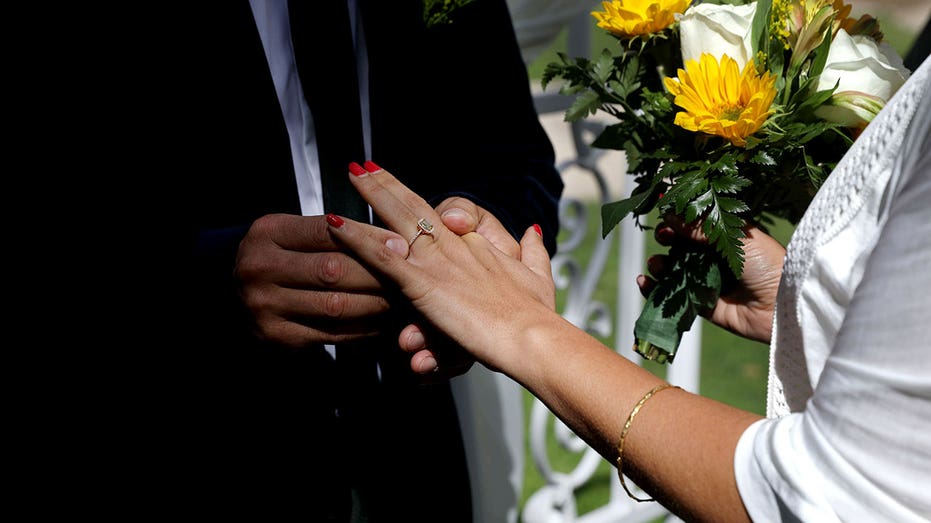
(728, 115)
(691, 285)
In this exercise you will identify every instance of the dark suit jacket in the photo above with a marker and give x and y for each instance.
(452, 115)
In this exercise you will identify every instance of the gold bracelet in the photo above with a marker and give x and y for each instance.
(620, 443)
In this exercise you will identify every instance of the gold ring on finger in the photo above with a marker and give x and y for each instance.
(423, 227)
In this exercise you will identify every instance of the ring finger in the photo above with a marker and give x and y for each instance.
(402, 210)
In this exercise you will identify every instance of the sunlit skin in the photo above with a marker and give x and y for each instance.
(633, 18)
(720, 99)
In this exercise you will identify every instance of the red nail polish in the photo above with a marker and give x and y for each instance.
(537, 228)
(356, 169)
(371, 166)
(334, 220)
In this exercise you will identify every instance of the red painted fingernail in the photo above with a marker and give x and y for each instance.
(334, 220)
(371, 166)
(537, 228)
(641, 280)
(356, 169)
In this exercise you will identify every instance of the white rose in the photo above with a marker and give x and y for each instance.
(717, 29)
(866, 74)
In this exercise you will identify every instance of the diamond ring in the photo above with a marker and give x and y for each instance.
(423, 227)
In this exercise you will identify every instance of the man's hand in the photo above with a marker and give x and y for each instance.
(462, 216)
(300, 289)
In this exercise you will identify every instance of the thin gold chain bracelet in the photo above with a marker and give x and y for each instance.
(627, 424)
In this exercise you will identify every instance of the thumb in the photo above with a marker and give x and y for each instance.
(460, 220)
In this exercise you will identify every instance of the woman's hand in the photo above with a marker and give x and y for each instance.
(461, 216)
(464, 286)
(747, 308)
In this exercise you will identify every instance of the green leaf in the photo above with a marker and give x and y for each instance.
(555, 70)
(814, 130)
(819, 56)
(726, 164)
(777, 63)
(629, 68)
(691, 285)
(685, 188)
(724, 231)
(660, 103)
(623, 90)
(697, 206)
(762, 158)
(632, 154)
(729, 183)
(612, 213)
(665, 316)
(603, 67)
(670, 169)
(585, 105)
(752, 143)
(614, 136)
(807, 99)
(702, 278)
(759, 27)
(731, 205)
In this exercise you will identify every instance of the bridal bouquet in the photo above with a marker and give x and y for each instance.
(728, 114)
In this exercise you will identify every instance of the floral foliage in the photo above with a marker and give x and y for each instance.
(729, 114)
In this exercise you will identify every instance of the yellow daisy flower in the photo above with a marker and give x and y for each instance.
(719, 99)
(632, 18)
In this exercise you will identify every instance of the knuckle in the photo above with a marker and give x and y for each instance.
(266, 225)
(374, 189)
(251, 268)
(412, 200)
(271, 331)
(258, 301)
(336, 305)
(331, 268)
(385, 256)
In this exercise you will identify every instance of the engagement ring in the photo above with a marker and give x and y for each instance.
(423, 227)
